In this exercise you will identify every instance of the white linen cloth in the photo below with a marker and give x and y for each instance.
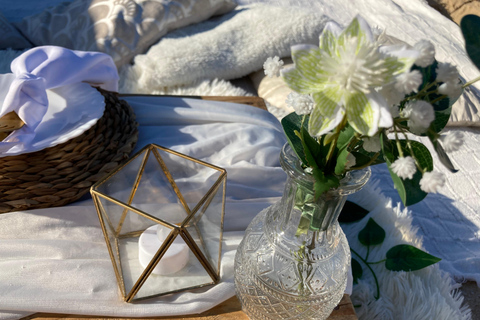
(56, 260)
(49, 67)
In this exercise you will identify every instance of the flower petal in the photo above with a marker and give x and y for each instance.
(399, 59)
(385, 119)
(363, 112)
(328, 38)
(358, 28)
(306, 76)
(328, 111)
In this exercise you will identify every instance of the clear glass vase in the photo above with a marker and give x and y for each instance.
(294, 258)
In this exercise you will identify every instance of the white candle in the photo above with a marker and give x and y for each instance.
(172, 261)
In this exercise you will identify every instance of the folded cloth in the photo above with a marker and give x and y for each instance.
(49, 67)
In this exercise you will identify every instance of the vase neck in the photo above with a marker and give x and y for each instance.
(303, 218)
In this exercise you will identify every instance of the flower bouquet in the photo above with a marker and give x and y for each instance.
(357, 103)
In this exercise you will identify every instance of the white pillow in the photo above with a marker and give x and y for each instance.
(227, 47)
(121, 29)
(10, 38)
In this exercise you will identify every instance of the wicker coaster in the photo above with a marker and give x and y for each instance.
(61, 174)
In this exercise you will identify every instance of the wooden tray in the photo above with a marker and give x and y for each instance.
(230, 309)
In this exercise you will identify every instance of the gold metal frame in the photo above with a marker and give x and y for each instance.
(177, 230)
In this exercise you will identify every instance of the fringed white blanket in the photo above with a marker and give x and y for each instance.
(429, 293)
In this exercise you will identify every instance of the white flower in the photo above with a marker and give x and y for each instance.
(342, 74)
(404, 167)
(372, 144)
(408, 81)
(447, 72)
(432, 181)
(350, 161)
(452, 141)
(420, 114)
(272, 66)
(427, 53)
(301, 103)
(391, 95)
(451, 89)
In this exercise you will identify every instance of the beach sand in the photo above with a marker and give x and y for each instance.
(456, 9)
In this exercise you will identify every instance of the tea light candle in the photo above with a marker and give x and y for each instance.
(174, 259)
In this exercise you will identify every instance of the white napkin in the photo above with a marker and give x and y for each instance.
(50, 67)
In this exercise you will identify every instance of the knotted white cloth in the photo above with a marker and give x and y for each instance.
(49, 67)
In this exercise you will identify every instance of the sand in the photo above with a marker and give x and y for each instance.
(456, 9)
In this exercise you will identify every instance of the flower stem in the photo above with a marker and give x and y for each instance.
(438, 99)
(424, 91)
(399, 146)
(377, 296)
(469, 83)
(377, 262)
(417, 164)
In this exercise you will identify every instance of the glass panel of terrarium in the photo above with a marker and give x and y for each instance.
(112, 243)
(207, 225)
(177, 270)
(119, 186)
(192, 179)
(121, 220)
(137, 250)
(155, 194)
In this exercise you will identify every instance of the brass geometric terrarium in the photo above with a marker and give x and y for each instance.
(162, 217)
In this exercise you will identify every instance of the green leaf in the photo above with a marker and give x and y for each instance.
(371, 234)
(443, 157)
(422, 154)
(405, 257)
(341, 161)
(357, 270)
(363, 158)
(344, 138)
(470, 26)
(442, 107)
(352, 212)
(323, 183)
(290, 124)
(441, 119)
(304, 224)
(313, 150)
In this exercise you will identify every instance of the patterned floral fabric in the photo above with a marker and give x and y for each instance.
(10, 37)
(120, 28)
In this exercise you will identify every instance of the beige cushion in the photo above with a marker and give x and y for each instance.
(120, 28)
(10, 37)
(273, 90)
